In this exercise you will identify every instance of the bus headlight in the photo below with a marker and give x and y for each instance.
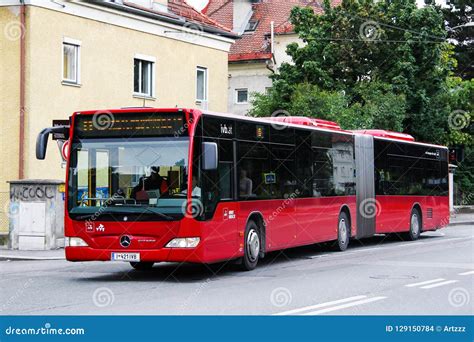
(75, 242)
(183, 242)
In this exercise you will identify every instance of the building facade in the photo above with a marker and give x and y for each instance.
(265, 32)
(57, 57)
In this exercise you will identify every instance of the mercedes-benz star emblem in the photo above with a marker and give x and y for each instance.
(125, 241)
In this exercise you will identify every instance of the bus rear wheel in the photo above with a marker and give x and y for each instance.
(252, 247)
(415, 226)
(142, 266)
(343, 233)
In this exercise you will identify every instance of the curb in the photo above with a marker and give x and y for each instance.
(25, 258)
(461, 223)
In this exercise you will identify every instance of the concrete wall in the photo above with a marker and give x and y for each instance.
(251, 76)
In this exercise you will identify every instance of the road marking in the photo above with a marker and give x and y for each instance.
(344, 306)
(466, 273)
(439, 284)
(322, 305)
(425, 282)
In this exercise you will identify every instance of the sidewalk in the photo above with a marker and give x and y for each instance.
(8, 254)
(462, 219)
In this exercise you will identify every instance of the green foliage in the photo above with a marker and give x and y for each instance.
(378, 64)
(389, 58)
(457, 15)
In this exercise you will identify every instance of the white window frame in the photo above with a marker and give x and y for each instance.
(151, 60)
(237, 96)
(77, 44)
(206, 85)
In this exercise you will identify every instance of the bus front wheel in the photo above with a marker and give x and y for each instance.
(343, 233)
(142, 266)
(252, 247)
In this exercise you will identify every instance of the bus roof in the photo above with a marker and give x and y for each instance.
(290, 121)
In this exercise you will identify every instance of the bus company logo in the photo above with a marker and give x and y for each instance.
(125, 241)
(226, 214)
(229, 214)
(100, 228)
(226, 129)
(89, 226)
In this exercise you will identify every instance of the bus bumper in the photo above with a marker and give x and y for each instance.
(156, 255)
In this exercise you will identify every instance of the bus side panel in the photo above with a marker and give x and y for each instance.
(394, 213)
(280, 218)
(435, 212)
(221, 233)
(317, 218)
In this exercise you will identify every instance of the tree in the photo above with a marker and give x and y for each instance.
(457, 15)
(367, 49)
(382, 64)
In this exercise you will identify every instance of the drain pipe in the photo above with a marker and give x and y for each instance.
(21, 170)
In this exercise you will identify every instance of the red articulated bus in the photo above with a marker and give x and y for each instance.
(146, 185)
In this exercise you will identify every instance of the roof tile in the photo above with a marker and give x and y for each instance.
(255, 45)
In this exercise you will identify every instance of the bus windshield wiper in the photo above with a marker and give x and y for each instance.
(89, 216)
(166, 217)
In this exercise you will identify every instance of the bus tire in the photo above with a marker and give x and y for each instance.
(415, 226)
(343, 233)
(252, 247)
(142, 266)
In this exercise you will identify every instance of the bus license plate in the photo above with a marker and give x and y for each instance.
(135, 257)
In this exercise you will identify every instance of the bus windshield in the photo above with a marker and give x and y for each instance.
(135, 176)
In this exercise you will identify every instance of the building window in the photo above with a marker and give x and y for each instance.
(201, 85)
(251, 26)
(71, 61)
(242, 96)
(143, 76)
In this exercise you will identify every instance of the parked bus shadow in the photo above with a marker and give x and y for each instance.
(197, 273)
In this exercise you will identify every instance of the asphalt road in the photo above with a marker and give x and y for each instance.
(379, 276)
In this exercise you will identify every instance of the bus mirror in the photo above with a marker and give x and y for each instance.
(42, 140)
(42, 144)
(209, 156)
